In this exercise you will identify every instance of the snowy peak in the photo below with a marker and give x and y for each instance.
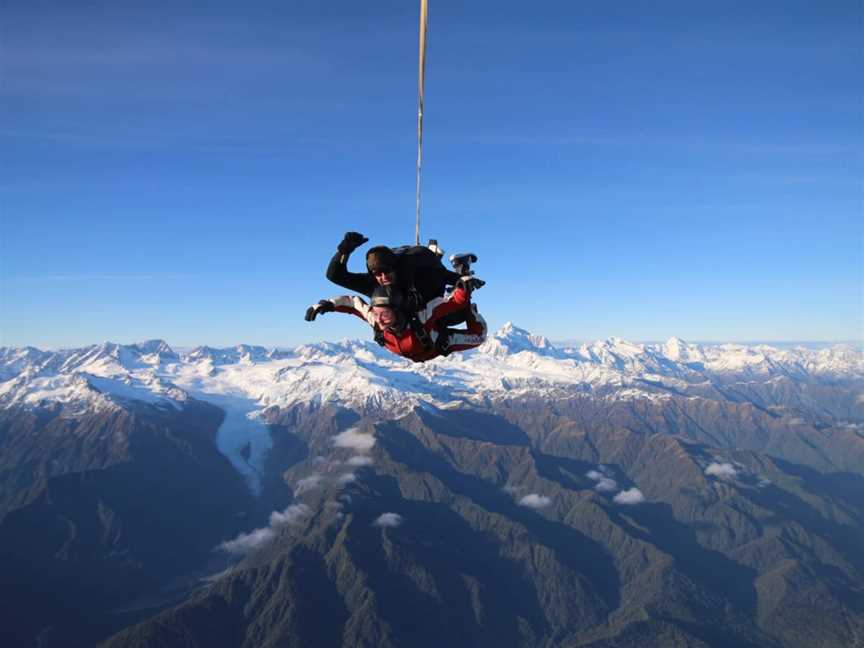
(80, 392)
(675, 349)
(622, 347)
(107, 358)
(155, 352)
(678, 350)
(512, 339)
(619, 354)
(242, 353)
(833, 360)
(250, 354)
(16, 361)
(346, 350)
(200, 353)
(96, 377)
(110, 358)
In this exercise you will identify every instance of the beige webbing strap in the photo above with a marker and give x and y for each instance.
(424, 14)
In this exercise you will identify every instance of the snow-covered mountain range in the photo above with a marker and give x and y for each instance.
(252, 384)
(361, 375)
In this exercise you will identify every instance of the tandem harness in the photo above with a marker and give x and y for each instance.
(417, 329)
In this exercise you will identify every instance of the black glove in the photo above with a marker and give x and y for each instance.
(442, 344)
(323, 306)
(470, 284)
(350, 242)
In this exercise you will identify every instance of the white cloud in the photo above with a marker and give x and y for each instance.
(359, 460)
(307, 484)
(721, 470)
(246, 542)
(388, 520)
(512, 490)
(535, 501)
(629, 496)
(352, 438)
(346, 478)
(290, 515)
(604, 484)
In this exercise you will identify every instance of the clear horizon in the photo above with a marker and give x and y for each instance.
(185, 172)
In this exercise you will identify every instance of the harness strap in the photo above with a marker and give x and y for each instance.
(420, 332)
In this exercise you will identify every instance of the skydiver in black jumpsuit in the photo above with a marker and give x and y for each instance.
(414, 269)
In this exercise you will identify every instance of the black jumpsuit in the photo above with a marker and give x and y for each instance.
(417, 267)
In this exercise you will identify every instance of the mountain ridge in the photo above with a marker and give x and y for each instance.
(521, 353)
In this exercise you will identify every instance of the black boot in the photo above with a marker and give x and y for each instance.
(462, 262)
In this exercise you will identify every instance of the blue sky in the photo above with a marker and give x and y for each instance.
(640, 169)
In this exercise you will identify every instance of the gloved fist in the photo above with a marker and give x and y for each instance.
(350, 242)
(442, 344)
(470, 284)
(323, 306)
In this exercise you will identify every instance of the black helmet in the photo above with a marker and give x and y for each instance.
(387, 296)
(380, 259)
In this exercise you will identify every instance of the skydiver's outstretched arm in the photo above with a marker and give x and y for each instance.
(343, 304)
(338, 273)
(355, 306)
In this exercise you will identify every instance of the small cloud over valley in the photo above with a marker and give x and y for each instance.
(630, 496)
(388, 520)
(535, 501)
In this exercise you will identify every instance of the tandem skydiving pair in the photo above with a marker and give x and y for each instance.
(414, 300)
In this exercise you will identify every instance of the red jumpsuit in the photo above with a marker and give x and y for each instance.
(406, 343)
